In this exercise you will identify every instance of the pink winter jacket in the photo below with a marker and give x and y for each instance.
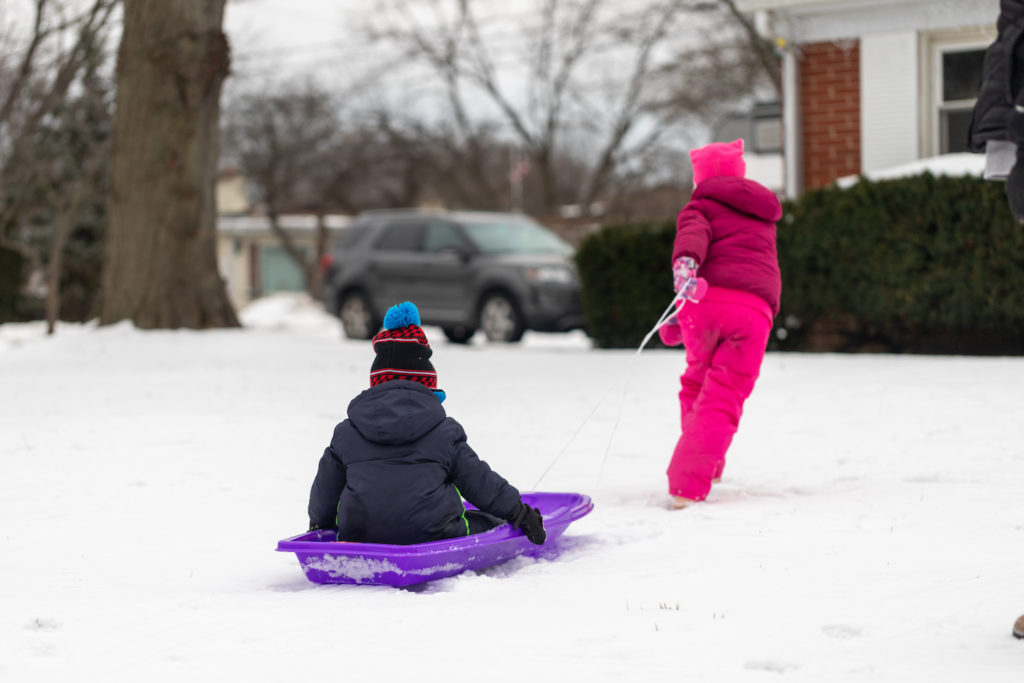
(728, 227)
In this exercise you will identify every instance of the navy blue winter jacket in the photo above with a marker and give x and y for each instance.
(395, 469)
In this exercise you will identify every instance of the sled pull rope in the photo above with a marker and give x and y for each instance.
(662, 321)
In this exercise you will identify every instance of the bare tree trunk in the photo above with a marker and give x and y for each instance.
(67, 211)
(316, 276)
(161, 267)
(62, 229)
(305, 264)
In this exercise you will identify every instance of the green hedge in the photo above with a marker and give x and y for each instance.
(922, 264)
(12, 272)
(627, 281)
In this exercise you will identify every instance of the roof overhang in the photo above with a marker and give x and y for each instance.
(805, 21)
(804, 5)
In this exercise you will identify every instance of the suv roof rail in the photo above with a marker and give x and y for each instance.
(404, 210)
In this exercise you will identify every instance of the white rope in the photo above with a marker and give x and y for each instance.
(662, 321)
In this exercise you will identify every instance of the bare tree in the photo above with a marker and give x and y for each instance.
(302, 151)
(282, 141)
(761, 49)
(77, 168)
(594, 70)
(53, 132)
(161, 269)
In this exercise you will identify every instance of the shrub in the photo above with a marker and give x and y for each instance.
(627, 281)
(919, 264)
(12, 272)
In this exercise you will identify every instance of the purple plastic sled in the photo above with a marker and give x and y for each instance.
(325, 560)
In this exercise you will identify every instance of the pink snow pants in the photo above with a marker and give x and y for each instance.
(725, 337)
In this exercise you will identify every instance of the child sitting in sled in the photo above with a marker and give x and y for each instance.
(397, 469)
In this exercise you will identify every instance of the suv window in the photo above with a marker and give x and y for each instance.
(515, 237)
(401, 237)
(441, 236)
(352, 235)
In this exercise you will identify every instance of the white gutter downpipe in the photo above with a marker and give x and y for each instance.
(791, 143)
(792, 157)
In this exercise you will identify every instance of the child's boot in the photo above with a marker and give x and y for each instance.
(679, 502)
(716, 476)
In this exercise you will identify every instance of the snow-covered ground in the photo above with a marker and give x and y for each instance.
(870, 526)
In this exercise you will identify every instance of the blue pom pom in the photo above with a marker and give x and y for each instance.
(401, 315)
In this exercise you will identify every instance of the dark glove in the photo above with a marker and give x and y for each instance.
(1015, 186)
(529, 520)
(1015, 181)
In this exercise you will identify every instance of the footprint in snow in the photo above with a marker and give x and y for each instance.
(773, 666)
(43, 624)
(841, 631)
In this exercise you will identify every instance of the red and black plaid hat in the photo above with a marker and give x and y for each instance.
(402, 349)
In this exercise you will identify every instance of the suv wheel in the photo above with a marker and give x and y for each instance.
(500, 319)
(459, 334)
(357, 318)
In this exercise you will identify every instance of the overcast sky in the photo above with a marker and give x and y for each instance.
(326, 38)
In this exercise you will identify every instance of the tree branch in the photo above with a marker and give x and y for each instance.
(762, 47)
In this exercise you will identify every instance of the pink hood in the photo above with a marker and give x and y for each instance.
(742, 195)
(728, 227)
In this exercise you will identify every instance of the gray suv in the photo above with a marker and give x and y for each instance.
(502, 273)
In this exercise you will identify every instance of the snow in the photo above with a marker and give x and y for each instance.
(961, 164)
(869, 527)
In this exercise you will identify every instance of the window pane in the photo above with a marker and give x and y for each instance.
(961, 74)
(955, 123)
(767, 135)
(401, 237)
(515, 237)
(441, 236)
(733, 127)
(352, 235)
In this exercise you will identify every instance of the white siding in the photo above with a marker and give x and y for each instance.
(889, 100)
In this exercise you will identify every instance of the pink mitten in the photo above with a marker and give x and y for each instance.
(670, 333)
(687, 284)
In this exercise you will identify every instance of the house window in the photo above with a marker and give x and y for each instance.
(767, 130)
(960, 79)
(761, 128)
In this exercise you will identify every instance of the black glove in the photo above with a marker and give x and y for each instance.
(1015, 186)
(1015, 181)
(529, 520)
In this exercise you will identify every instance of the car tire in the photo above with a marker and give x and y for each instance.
(459, 334)
(500, 319)
(357, 317)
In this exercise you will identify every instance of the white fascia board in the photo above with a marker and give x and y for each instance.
(803, 5)
(810, 21)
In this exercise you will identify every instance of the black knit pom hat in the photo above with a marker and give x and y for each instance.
(402, 349)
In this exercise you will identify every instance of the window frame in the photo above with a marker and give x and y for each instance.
(934, 47)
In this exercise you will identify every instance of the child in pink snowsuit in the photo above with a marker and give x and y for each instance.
(727, 231)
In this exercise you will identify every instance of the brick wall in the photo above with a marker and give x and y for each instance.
(830, 107)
